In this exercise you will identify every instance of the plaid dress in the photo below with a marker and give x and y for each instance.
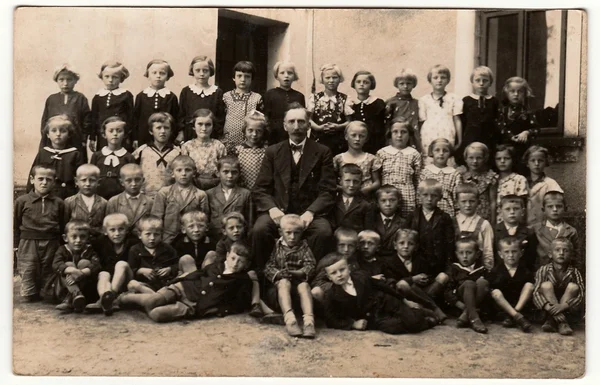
(238, 106)
(401, 168)
(449, 179)
(369, 164)
(484, 181)
(205, 155)
(513, 184)
(250, 163)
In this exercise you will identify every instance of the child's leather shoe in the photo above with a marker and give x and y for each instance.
(65, 306)
(564, 329)
(256, 311)
(79, 303)
(107, 300)
(522, 322)
(309, 331)
(508, 322)
(293, 329)
(462, 321)
(549, 326)
(478, 326)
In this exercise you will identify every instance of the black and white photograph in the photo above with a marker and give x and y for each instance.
(299, 192)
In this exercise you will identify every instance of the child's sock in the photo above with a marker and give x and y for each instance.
(289, 317)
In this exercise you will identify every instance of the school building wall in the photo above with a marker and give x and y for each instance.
(381, 41)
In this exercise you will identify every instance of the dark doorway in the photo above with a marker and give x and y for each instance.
(240, 40)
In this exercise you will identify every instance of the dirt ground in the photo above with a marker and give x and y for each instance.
(46, 342)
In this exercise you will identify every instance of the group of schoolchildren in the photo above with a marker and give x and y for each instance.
(159, 217)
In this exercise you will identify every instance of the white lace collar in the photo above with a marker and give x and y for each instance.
(116, 91)
(107, 151)
(203, 92)
(436, 170)
(163, 92)
(367, 101)
(476, 97)
(393, 150)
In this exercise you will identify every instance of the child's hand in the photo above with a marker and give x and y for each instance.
(163, 272)
(146, 273)
(92, 145)
(285, 274)
(557, 309)
(522, 137)
(76, 274)
(378, 276)
(276, 215)
(135, 144)
(307, 217)
(361, 324)
(69, 280)
(253, 276)
(421, 279)
(411, 304)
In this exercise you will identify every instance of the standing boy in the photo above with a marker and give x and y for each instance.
(351, 207)
(131, 202)
(86, 205)
(386, 221)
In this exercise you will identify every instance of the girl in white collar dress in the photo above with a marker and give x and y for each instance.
(111, 101)
(369, 110)
(155, 98)
(200, 94)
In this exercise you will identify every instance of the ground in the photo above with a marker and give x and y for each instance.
(48, 343)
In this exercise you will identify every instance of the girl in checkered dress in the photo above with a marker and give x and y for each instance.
(441, 150)
(401, 164)
(476, 156)
(252, 151)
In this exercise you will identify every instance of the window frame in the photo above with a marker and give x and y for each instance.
(485, 16)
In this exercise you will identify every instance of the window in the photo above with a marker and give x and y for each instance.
(530, 44)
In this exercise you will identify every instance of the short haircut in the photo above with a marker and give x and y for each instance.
(229, 159)
(563, 240)
(42, 166)
(440, 69)
(149, 220)
(77, 225)
(296, 106)
(233, 215)
(244, 66)
(351, 168)
(259, 118)
(356, 124)
(331, 67)
(116, 217)
(483, 70)
(521, 83)
(430, 184)
(466, 188)
(194, 215)
(533, 149)
(406, 233)
(509, 149)
(368, 74)
(369, 234)
(241, 250)
(87, 169)
(113, 119)
(292, 219)
(67, 69)
(509, 241)
(203, 113)
(468, 240)
(478, 146)
(289, 64)
(202, 58)
(183, 160)
(402, 122)
(513, 198)
(60, 121)
(120, 69)
(161, 117)
(330, 259)
(437, 142)
(345, 232)
(170, 72)
(406, 74)
(131, 167)
(554, 194)
(388, 189)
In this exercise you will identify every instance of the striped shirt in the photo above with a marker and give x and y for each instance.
(546, 274)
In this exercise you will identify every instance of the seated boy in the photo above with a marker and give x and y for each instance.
(469, 224)
(152, 261)
(467, 286)
(368, 258)
(436, 233)
(559, 288)
(131, 202)
(411, 275)
(233, 229)
(356, 301)
(77, 265)
(512, 210)
(87, 205)
(193, 240)
(289, 268)
(346, 244)
(386, 221)
(173, 201)
(511, 283)
(351, 207)
(554, 227)
(227, 196)
(218, 289)
(113, 249)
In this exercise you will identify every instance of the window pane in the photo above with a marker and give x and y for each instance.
(542, 69)
(502, 48)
